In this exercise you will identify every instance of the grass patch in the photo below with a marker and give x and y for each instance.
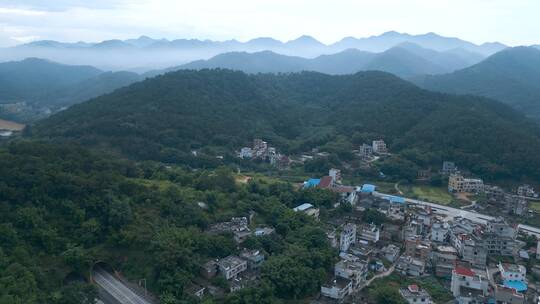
(535, 206)
(433, 194)
(438, 291)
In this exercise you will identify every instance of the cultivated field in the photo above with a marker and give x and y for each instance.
(10, 125)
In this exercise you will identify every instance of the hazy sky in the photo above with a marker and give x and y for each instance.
(513, 22)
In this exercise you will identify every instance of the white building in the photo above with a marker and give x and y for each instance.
(457, 183)
(308, 209)
(370, 233)
(354, 270)
(246, 152)
(468, 285)
(526, 190)
(231, 266)
(439, 232)
(337, 288)
(512, 272)
(347, 237)
(413, 295)
(335, 174)
(379, 147)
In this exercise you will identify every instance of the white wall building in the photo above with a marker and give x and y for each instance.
(347, 237)
(468, 284)
(370, 233)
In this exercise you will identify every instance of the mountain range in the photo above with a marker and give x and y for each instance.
(145, 53)
(405, 60)
(218, 111)
(511, 76)
(45, 84)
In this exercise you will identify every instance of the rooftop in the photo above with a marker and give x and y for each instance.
(464, 271)
(325, 182)
(230, 262)
(303, 207)
(517, 285)
(337, 282)
(413, 291)
(368, 188)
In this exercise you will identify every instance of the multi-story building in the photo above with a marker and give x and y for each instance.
(468, 285)
(417, 248)
(493, 193)
(231, 266)
(444, 259)
(512, 272)
(414, 295)
(354, 270)
(457, 183)
(500, 238)
(526, 190)
(448, 168)
(474, 252)
(439, 232)
(337, 288)
(347, 237)
(379, 147)
(366, 151)
(246, 152)
(335, 174)
(407, 265)
(370, 233)
(254, 258)
(390, 252)
(508, 295)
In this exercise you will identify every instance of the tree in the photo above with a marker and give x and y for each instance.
(388, 295)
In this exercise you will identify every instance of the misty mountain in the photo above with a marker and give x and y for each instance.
(511, 76)
(166, 117)
(32, 78)
(145, 53)
(429, 40)
(405, 60)
(45, 84)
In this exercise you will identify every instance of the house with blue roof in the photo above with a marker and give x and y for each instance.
(312, 182)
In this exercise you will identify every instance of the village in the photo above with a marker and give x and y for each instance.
(463, 259)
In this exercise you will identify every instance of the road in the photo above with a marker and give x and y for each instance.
(470, 215)
(380, 275)
(116, 288)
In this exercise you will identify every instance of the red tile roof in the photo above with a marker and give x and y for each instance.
(326, 181)
(464, 271)
(413, 288)
(344, 189)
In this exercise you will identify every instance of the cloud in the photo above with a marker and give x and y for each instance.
(60, 5)
(513, 22)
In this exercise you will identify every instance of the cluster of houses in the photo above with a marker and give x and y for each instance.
(377, 147)
(240, 270)
(417, 242)
(261, 150)
(496, 198)
(332, 182)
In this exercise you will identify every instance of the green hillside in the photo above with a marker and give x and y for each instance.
(218, 111)
(511, 76)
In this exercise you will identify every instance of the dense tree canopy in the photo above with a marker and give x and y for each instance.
(218, 111)
(64, 208)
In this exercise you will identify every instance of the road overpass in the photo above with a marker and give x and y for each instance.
(455, 212)
(117, 291)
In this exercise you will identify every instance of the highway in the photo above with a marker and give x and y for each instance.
(454, 212)
(120, 292)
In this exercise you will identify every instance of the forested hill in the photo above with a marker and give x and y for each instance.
(218, 111)
(511, 76)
